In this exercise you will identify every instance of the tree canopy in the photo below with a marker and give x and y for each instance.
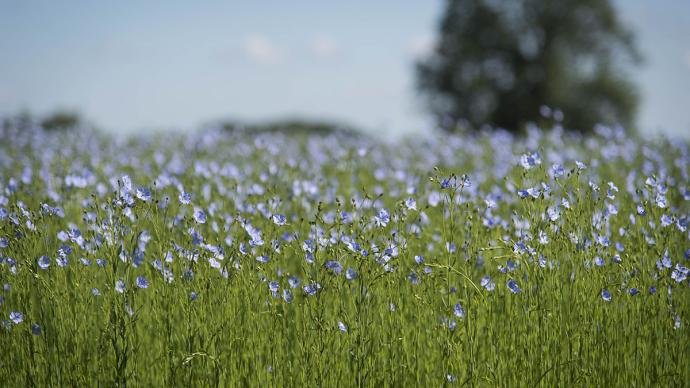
(61, 120)
(497, 62)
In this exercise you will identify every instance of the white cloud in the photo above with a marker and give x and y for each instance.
(261, 50)
(420, 46)
(324, 47)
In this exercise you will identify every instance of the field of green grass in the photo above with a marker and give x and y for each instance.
(223, 258)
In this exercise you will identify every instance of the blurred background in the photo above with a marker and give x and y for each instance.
(380, 66)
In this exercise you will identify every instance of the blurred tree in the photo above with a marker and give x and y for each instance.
(61, 120)
(496, 62)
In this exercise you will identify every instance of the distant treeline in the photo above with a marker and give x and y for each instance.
(57, 121)
(292, 126)
(68, 120)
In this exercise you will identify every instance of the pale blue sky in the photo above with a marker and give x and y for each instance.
(131, 65)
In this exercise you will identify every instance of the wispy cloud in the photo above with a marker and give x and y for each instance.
(421, 45)
(324, 47)
(261, 50)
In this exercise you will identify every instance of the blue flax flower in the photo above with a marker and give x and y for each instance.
(513, 286)
(606, 295)
(44, 262)
(350, 274)
(458, 310)
(199, 216)
(311, 289)
(120, 286)
(287, 295)
(142, 282)
(16, 317)
(487, 283)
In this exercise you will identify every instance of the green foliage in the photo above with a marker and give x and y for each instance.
(61, 121)
(498, 62)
